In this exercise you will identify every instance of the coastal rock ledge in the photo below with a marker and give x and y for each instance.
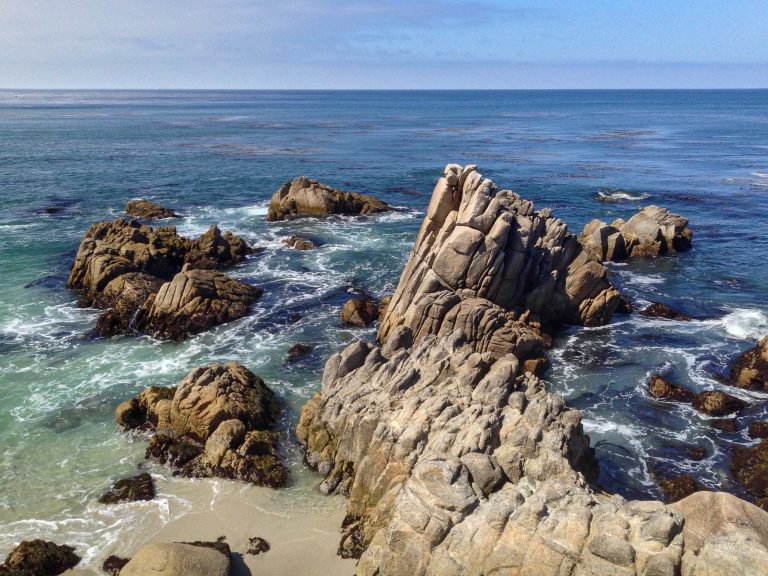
(455, 459)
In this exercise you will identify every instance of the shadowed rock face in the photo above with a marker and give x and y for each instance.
(653, 231)
(454, 458)
(304, 197)
(489, 246)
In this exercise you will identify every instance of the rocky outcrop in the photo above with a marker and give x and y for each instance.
(39, 558)
(177, 559)
(653, 231)
(484, 260)
(659, 310)
(298, 351)
(217, 422)
(194, 301)
(717, 403)
(749, 465)
(454, 457)
(148, 210)
(723, 535)
(299, 243)
(359, 312)
(304, 197)
(750, 370)
(122, 265)
(131, 489)
(663, 389)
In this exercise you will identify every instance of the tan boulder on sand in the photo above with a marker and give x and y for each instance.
(177, 559)
(304, 197)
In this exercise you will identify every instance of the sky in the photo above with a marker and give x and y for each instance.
(382, 44)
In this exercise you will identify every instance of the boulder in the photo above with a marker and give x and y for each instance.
(298, 351)
(177, 559)
(216, 423)
(758, 430)
(304, 197)
(130, 489)
(299, 243)
(717, 403)
(485, 260)
(39, 558)
(750, 370)
(663, 389)
(148, 210)
(724, 535)
(194, 301)
(121, 266)
(359, 312)
(113, 564)
(659, 310)
(653, 231)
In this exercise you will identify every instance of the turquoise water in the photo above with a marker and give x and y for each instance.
(218, 156)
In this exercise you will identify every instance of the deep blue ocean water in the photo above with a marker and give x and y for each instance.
(218, 156)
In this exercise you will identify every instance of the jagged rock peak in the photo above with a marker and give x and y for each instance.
(490, 246)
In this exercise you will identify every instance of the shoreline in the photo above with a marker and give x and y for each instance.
(285, 518)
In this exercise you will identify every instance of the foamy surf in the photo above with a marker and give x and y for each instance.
(746, 324)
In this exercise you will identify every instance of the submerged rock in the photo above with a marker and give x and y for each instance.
(305, 197)
(659, 310)
(148, 210)
(122, 266)
(130, 489)
(678, 488)
(194, 301)
(298, 351)
(653, 231)
(216, 423)
(484, 260)
(750, 370)
(717, 403)
(177, 559)
(39, 558)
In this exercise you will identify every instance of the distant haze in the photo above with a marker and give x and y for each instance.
(371, 44)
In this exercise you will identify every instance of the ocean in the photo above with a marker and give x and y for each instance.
(68, 159)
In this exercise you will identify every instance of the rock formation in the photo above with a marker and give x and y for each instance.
(659, 310)
(217, 422)
(663, 389)
(717, 403)
(299, 243)
(454, 458)
(749, 465)
(750, 371)
(193, 302)
(359, 312)
(39, 558)
(653, 231)
(130, 489)
(122, 265)
(484, 259)
(304, 197)
(148, 210)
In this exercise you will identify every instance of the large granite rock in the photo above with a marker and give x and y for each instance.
(177, 559)
(484, 259)
(122, 265)
(194, 301)
(653, 231)
(723, 535)
(39, 558)
(359, 312)
(148, 210)
(217, 422)
(750, 370)
(453, 456)
(304, 197)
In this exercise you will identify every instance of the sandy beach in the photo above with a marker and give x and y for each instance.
(302, 528)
